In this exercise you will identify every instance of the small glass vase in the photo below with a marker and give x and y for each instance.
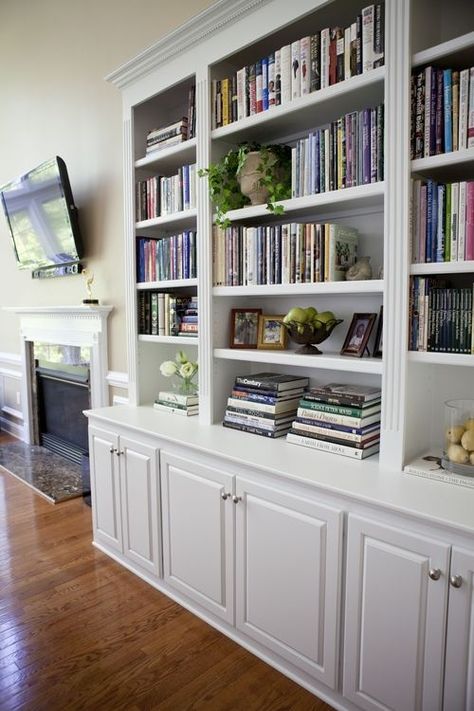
(458, 454)
(185, 386)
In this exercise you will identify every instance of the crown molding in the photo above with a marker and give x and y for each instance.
(192, 32)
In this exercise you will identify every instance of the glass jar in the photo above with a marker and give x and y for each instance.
(458, 453)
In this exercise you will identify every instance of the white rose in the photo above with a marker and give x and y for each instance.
(168, 368)
(187, 370)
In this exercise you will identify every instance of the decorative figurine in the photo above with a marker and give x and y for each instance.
(89, 277)
(360, 270)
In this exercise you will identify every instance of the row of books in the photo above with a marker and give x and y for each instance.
(264, 404)
(283, 254)
(306, 65)
(339, 418)
(164, 314)
(177, 131)
(348, 152)
(162, 195)
(177, 403)
(442, 221)
(167, 258)
(442, 106)
(167, 136)
(440, 317)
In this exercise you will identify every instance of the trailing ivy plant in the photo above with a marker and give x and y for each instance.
(224, 188)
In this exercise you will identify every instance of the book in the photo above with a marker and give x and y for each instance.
(261, 422)
(272, 381)
(357, 444)
(429, 466)
(277, 408)
(252, 429)
(175, 409)
(337, 432)
(178, 398)
(321, 417)
(262, 396)
(332, 447)
(179, 406)
(344, 394)
(342, 409)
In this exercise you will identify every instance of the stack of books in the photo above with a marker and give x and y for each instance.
(188, 317)
(167, 135)
(177, 403)
(339, 418)
(264, 404)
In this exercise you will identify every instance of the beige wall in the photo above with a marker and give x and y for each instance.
(54, 55)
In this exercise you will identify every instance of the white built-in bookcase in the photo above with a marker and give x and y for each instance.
(222, 39)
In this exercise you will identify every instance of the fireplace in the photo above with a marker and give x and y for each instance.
(75, 326)
(62, 394)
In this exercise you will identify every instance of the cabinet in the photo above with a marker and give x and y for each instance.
(287, 560)
(409, 630)
(126, 497)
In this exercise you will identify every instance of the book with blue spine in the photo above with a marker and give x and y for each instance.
(265, 98)
(448, 106)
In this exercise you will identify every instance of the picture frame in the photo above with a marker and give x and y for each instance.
(272, 334)
(378, 345)
(244, 328)
(358, 335)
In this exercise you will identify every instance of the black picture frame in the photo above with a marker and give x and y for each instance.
(358, 335)
(378, 345)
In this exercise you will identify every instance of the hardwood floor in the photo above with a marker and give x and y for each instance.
(77, 631)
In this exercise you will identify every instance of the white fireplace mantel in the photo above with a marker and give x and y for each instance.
(84, 325)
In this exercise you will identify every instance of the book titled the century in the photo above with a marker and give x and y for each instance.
(272, 381)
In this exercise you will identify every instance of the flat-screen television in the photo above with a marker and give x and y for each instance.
(42, 217)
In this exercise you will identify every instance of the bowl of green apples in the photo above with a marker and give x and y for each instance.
(307, 327)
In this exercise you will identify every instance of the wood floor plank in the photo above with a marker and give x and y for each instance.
(79, 632)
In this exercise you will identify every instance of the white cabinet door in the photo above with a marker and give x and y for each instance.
(459, 674)
(140, 504)
(288, 572)
(198, 541)
(395, 618)
(105, 488)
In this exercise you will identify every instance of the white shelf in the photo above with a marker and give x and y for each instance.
(446, 164)
(457, 51)
(441, 358)
(309, 111)
(344, 288)
(365, 197)
(168, 284)
(326, 361)
(184, 340)
(184, 219)
(166, 158)
(463, 267)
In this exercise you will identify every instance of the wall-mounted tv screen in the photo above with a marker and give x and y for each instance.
(42, 217)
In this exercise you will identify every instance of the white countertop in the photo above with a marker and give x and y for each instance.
(365, 480)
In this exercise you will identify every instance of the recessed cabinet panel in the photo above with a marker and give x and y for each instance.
(395, 618)
(459, 673)
(105, 486)
(198, 533)
(288, 577)
(141, 505)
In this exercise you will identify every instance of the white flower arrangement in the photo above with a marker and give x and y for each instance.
(181, 367)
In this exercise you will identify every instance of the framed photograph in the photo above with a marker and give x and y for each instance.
(272, 334)
(244, 328)
(378, 346)
(358, 334)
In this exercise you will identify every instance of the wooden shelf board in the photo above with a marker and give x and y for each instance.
(166, 158)
(185, 218)
(457, 51)
(373, 286)
(326, 361)
(184, 340)
(169, 284)
(308, 111)
(441, 358)
(464, 267)
(366, 196)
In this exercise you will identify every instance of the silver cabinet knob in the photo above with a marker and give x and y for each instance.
(224, 496)
(119, 452)
(236, 499)
(435, 573)
(456, 581)
(112, 450)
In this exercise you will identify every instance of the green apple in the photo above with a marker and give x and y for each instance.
(311, 312)
(295, 314)
(325, 316)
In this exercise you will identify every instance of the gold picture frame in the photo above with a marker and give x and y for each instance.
(272, 334)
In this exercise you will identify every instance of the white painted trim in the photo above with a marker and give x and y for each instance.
(192, 32)
(12, 412)
(11, 359)
(7, 373)
(119, 400)
(117, 379)
(16, 430)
